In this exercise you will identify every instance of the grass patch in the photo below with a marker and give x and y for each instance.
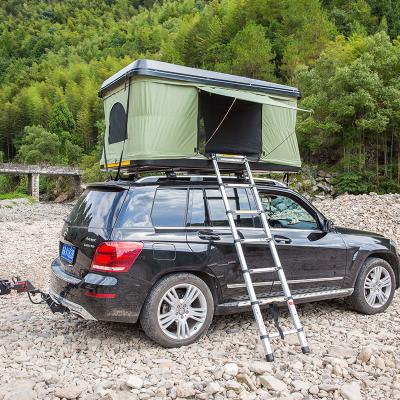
(16, 195)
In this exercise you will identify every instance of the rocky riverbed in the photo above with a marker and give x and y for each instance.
(45, 356)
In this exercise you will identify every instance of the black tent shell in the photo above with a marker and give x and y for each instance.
(164, 70)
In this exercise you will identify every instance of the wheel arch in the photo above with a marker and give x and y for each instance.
(391, 259)
(209, 279)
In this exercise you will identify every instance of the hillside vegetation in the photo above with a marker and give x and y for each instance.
(343, 55)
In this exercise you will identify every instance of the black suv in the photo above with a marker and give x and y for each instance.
(159, 250)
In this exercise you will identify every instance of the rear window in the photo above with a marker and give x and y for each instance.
(96, 208)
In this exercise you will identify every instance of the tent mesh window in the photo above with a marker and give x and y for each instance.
(240, 130)
(117, 131)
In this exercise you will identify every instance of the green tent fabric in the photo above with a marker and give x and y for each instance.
(163, 121)
(249, 96)
(280, 148)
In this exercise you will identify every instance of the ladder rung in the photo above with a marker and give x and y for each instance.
(231, 159)
(262, 270)
(246, 212)
(255, 241)
(278, 299)
(238, 185)
(285, 333)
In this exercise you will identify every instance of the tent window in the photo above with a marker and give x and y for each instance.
(117, 128)
(240, 132)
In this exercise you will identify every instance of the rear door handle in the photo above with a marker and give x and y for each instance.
(208, 235)
(282, 239)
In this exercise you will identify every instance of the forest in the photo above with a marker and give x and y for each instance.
(343, 55)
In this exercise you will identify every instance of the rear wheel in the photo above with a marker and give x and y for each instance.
(374, 288)
(178, 310)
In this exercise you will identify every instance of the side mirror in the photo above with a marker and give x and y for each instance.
(328, 225)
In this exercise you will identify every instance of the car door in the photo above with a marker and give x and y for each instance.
(168, 239)
(210, 237)
(313, 259)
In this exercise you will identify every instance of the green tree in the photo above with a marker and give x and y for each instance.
(388, 12)
(354, 93)
(61, 119)
(39, 146)
(352, 17)
(305, 33)
(251, 53)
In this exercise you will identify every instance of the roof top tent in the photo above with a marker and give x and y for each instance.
(161, 115)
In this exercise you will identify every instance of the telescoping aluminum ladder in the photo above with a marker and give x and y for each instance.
(247, 272)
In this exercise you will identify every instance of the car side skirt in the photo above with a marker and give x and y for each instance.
(242, 306)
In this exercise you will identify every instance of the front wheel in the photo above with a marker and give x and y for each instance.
(178, 310)
(374, 288)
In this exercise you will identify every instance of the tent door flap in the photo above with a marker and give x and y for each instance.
(228, 125)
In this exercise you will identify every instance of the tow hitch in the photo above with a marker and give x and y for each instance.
(20, 286)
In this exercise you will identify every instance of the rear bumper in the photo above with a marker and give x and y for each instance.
(71, 291)
(72, 307)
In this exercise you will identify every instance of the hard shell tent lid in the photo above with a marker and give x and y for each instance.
(177, 116)
(198, 76)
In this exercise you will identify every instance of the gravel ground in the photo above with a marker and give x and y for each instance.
(45, 356)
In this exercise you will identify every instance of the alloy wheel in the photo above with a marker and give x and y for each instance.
(377, 287)
(182, 311)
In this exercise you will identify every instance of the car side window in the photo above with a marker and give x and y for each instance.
(136, 209)
(285, 212)
(198, 211)
(238, 200)
(169, 208)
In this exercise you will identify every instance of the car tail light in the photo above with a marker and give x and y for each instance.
(115, 256)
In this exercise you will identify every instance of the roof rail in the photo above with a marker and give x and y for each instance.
(203, 178)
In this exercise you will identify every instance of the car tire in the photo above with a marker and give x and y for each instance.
(372, 293)
(169, 315)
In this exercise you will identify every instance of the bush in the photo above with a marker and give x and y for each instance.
(352, 183)
(16, 195)
(57, 187)
(91, 168)
(47, 186)
(7, 183)
(22, 187)
(364, 183)
(388, 186)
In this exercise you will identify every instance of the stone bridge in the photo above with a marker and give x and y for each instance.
(34, 172)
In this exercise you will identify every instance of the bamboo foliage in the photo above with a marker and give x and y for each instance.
(343, 55)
